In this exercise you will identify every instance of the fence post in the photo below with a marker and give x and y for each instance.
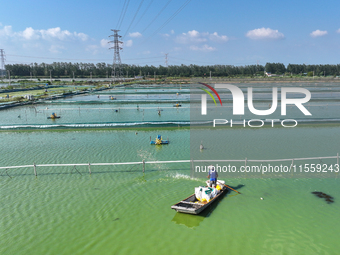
(35, 170)
(143, 165)
(89, 168)
(291, 165)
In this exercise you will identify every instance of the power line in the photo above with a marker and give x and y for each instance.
(192, 60)
(76, 58)
(147, 8)
(121, 21)
(157, 15)
(120, 16)
(171, 17)
(140, 5)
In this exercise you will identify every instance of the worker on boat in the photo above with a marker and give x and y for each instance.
(158, 140)
(212, 175)
(53, 116)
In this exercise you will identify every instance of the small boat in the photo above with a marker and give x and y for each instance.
(192, 205)
(53, 116)
(159, 141)
(177, 105)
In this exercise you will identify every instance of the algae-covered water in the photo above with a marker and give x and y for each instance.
(121, 210)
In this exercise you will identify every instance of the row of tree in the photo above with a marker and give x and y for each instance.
(76, 70)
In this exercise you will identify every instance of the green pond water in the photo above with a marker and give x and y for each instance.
(121, 210)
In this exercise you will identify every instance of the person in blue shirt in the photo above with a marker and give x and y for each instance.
(212, 175)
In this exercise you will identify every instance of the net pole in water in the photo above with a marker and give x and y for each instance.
(35, 169)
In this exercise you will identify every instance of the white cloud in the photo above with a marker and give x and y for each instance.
(128, 43)
(194, 36)
(318, 33)
(264, 34)
(93, 49)
(172, 31)
(30, 34)
(81, 36)
(205, 47)
(104, 43)
(49, 34)
(57, 33)
(218, 38)
(56, 48)
(166, 36)
(338, 31)
(6, 31)
(135, 35)
(54, 33)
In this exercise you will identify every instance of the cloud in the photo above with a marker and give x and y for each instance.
(135, 35)
(218, 38)
(30, 34)
(196, 37)
(205, 47)
(318, 33)
(57, 33)
(128, 43)
(6, 31)
(51, 34)
(265, 34)
(338, 31)
(104, 43)
(93, 49)
(172, 31)
(56, 48)
(191, 37)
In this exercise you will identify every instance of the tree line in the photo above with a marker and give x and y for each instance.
(102, 70)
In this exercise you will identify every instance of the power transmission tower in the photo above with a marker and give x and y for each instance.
(116, 46)
(2, 63)
(166, 59)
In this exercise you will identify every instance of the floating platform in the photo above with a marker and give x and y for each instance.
(159, 141)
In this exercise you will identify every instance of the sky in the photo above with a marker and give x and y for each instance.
(239, 33)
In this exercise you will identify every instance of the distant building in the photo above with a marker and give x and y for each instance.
(269, 74)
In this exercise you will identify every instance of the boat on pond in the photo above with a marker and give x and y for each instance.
(193, 205)
(53, 116)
